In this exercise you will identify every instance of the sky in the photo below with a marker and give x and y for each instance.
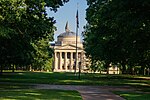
(68, 13)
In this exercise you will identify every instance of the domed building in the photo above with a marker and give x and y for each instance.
(65, 52)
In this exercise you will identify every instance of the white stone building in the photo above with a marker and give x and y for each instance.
(113, 70)
(65, 52)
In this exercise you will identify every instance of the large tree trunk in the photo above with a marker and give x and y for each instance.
(13, 68)
(123, 68)
(131, 69)
(1, 72)
(107, 67)
(142, 71)
(148, 71)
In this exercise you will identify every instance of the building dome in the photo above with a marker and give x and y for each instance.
(68, 36)
(68, 33)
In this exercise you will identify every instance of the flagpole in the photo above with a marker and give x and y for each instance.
(76, 61)
(77, 26)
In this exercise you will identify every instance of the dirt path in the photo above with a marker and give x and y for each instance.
(90, 92)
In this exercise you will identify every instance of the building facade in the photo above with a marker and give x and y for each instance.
(113, 70)
(65, 52)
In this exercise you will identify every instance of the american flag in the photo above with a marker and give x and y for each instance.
(77, 19)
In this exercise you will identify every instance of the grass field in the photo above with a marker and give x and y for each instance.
(15, 86)
(34, 94)
(133, 95)
(70, 78)
(19, 81)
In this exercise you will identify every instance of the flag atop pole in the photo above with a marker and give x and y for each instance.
(77, 19)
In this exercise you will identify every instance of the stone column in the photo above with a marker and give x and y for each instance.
(65, 61)
(82, 60)
(55, 62)
(71, 60)
(60, 60)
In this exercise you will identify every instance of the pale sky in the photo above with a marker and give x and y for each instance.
(68, 13)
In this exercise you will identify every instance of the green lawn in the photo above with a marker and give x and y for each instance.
(15, 86)
(35, 94)
(133, 95)
(17, 91)
(70, 78)
(19, 81)
(11, 86)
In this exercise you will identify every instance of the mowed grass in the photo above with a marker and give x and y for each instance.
(72, 79)
(133, 95)
(17, 85)
(21, 91)
(35, 94)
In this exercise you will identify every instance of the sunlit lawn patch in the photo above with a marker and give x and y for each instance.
(21, 81)
(11, 86)
(32, 94)
(133, 95)
(72, 79)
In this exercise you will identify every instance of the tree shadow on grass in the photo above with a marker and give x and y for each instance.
(71, 78)
(133, 95)
(40, 94)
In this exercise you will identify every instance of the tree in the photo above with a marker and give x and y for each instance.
(22, 23)
(42, 56)
(118, 31)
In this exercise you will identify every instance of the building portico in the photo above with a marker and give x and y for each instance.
(65, 52)
(65, 59)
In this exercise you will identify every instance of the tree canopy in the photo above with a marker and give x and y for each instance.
(118, 31)
(22, 24)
